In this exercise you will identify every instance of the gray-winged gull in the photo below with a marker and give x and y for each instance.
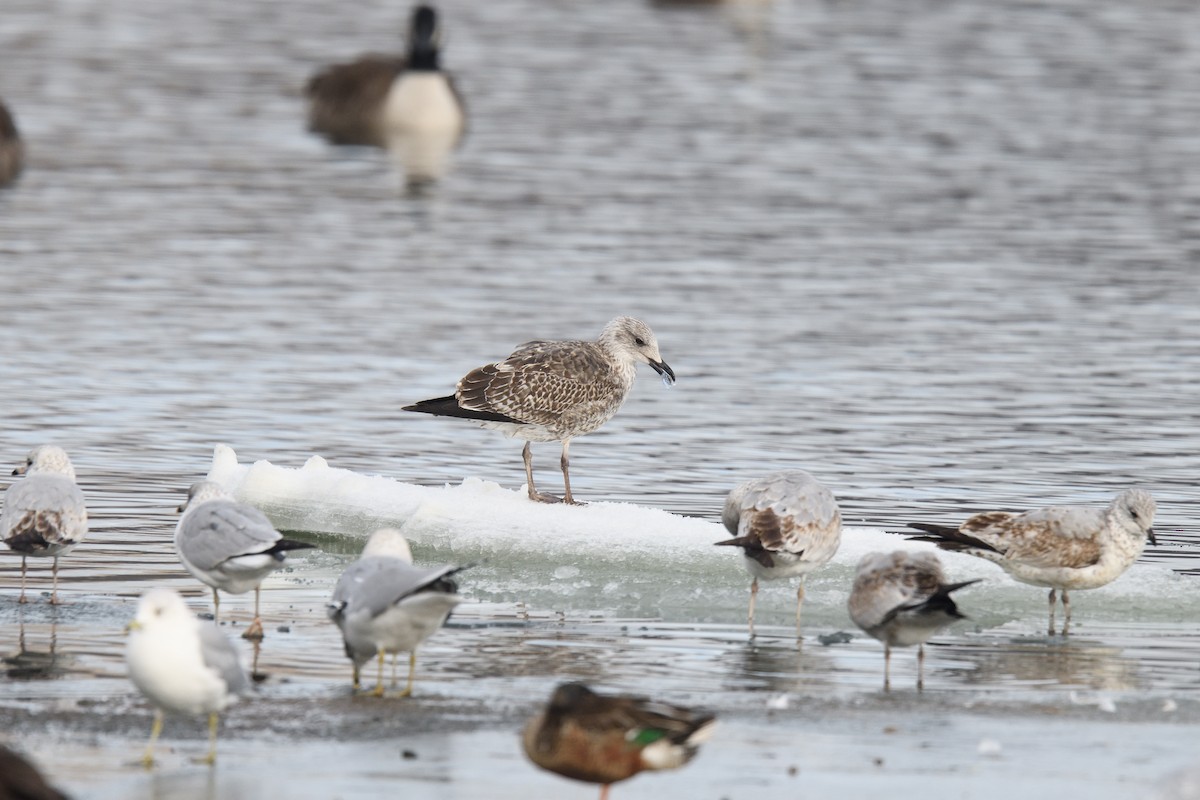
(228, 545)
(383, 604)
(554, 391)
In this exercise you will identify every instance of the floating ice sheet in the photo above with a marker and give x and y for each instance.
(625, 557)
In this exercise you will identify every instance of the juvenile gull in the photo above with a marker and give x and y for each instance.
(181, 665)
(902, 599)
(44, 513)
(787, 524)
(1061, 547)
(383, 604)
(407, 105)
(229, 546)
(554, 391)
(604, 738)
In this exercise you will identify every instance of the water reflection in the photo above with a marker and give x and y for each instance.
(1054, 663)
(779, 668)
(34, 664)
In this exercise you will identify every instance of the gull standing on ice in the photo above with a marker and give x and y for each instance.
(383, 604)
(408, 106)
(605, 738)
(44, 514)
(902, 599)
(1060, 547)
(555, 391)
(229, 546)
(787, 524)
(181, 664)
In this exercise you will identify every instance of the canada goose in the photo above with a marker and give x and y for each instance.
(406, 105)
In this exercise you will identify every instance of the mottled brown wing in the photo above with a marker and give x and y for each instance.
(1045, 537)
(543, 383)
(345, 99)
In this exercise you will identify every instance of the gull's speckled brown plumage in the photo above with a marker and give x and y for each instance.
(787, 524)
(1060, 547)
(44, 514)
(549, 391)
(604, 738)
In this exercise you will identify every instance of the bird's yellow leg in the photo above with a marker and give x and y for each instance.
(211, 758)
(155, 730)
(412, 671)
(216, 608)
(379, 679)
(356, 685)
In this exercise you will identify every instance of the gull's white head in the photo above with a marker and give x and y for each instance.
(388, 542)
(161, 607)
(1134, 510)
(49, 460)
(202, 491)
(632, 340)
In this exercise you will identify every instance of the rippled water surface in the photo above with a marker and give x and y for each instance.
(943, 255)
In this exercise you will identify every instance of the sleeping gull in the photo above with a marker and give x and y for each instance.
(902, 599)
(181, 664)
(603, 739)
(229, 546)
(554, 391)
(383, 604)
(787, 524)
(1062, 547)
(44, 513)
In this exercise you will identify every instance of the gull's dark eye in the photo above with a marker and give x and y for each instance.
(1133, 513)
(639, 341)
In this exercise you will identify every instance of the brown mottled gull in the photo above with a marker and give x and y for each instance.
(787, 524)
(902, 599)
(1061, 547)
(554, 391)
(44, 514)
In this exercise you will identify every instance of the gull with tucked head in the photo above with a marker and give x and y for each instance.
(1060, 547)
(787, 525)
(383, 604)
(902, 599)
(554, 391)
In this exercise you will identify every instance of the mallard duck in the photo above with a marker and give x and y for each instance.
(902, 599)
(608, 738)
(1060, 547)
(406, 105)
(20, 780)
(12, 150)
(787, 524)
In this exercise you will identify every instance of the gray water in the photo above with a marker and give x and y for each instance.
(942, 255)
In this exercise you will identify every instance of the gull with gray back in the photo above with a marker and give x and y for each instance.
(229, 546)
(383, 604)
